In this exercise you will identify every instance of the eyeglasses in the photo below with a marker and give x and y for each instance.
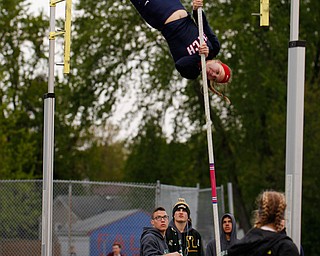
(158, 218)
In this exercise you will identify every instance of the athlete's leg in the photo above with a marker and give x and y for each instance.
(156, 12)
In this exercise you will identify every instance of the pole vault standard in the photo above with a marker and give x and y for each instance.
(294, 145)
(209, 138)
(48, 141)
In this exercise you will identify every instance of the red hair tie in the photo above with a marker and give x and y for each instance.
(227, 73)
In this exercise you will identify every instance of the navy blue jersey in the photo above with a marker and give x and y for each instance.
(156, 12)
(183, 39)
(181, 35)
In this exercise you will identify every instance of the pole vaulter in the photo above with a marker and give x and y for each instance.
(167, 16)
(48, 141)
(214, 197)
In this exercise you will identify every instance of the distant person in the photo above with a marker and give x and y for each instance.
(152, 241)
(268, 237)
(180, 235)
(228, 236)
(72, 251)
(116, 250)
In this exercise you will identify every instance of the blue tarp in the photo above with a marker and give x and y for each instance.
(126, 231)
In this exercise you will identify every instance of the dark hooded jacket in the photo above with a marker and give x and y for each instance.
(152, 242)
(259, 242)
(187, 243)
(224, 243)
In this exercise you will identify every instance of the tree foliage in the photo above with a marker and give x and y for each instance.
(20, 209)
(21, 108)
(115, 56)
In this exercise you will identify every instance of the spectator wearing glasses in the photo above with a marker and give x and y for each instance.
(152, 241)
(180, 235)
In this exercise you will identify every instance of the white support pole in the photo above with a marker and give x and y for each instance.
(230, 198)
(48, 148)
(70, 219)
(48, 141)
(294, 20)
(294, 144)
(209, 138)
(47, 198)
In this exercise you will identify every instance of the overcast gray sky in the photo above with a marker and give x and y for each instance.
(38, 5)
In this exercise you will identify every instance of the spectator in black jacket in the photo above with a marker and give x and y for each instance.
(268, 237)
(152, 241)
(180, 235)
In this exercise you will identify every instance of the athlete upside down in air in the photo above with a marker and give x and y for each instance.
(182, 35)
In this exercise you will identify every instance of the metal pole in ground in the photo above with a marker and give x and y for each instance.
(48, 140)
(48, 134)
(294, 144)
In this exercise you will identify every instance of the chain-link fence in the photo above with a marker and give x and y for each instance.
(88, 217)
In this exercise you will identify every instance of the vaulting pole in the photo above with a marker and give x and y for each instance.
(214, 198)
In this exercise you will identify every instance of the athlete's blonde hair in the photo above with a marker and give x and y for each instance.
(219, 89)
(271, 209)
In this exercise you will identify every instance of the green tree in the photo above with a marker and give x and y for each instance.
(146, 155)
(20, 210)
(309, 16)
(23, 83)
(115, 53)
(104, 156)
(19, 86)
(254, 148)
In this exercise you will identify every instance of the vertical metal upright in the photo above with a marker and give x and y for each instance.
(70, 218)
(230, 198)
(294, 139)
(48, 147)
(264, 12)
(48, 134)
